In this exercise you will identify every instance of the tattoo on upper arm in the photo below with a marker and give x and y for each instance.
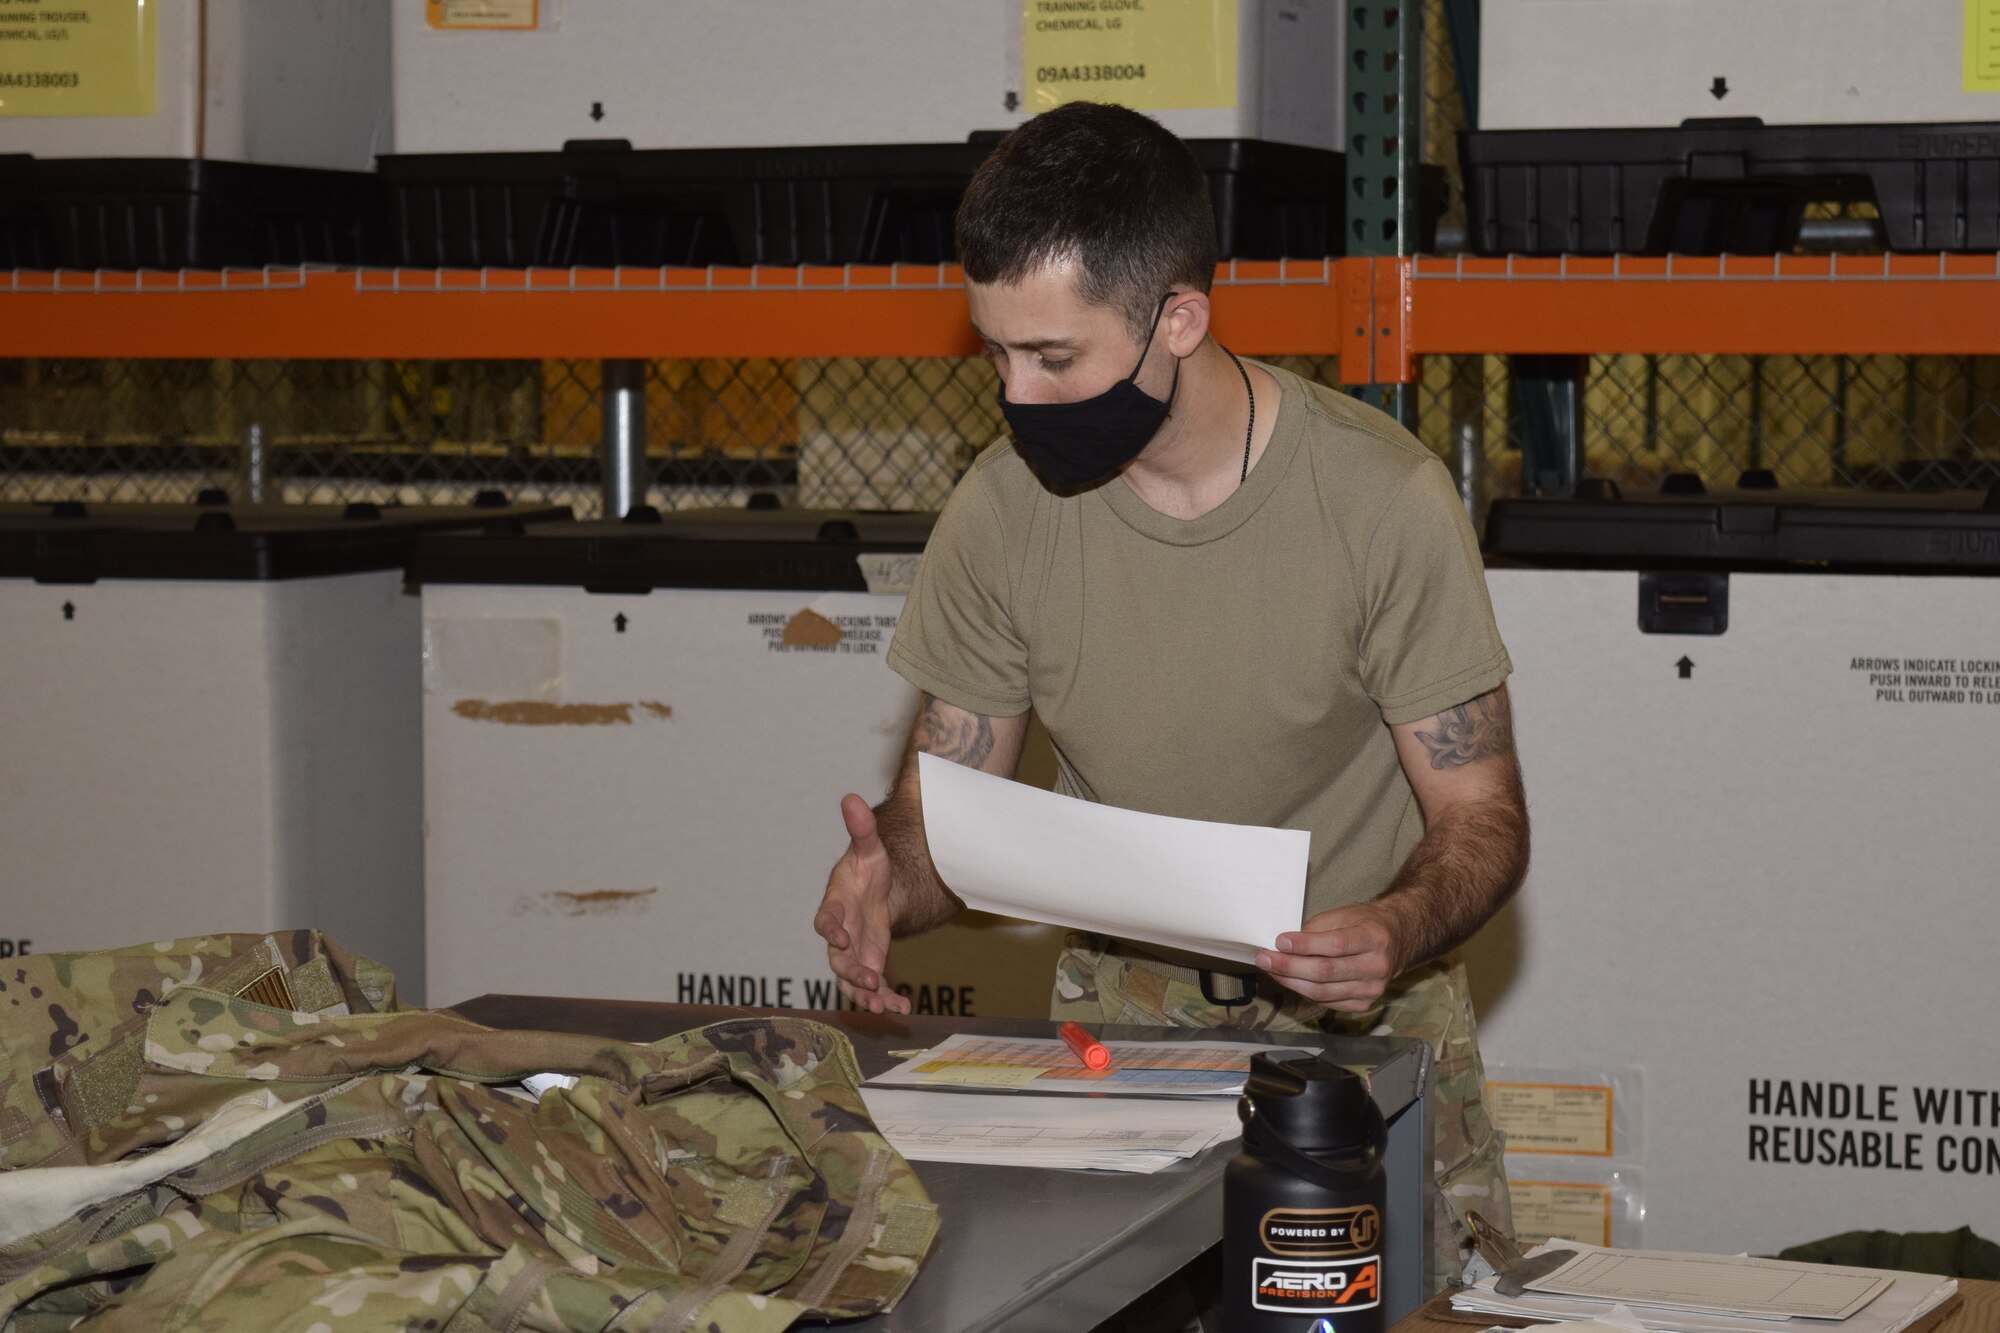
(966, 739)
(1469, 733)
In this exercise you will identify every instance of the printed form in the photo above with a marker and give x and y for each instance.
(1717, 1284)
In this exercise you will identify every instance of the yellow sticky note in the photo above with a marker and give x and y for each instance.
(483, 15)
(1152, 55)
(1569, 1118)
(87, 58)
(985, 1076)
(1561, 1209)
(1982, 46)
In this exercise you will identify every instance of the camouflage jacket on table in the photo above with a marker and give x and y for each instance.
(246, 1131)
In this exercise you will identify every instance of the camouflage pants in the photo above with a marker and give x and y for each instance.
(1431, 1003)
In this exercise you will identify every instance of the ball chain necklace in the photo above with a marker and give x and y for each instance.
(1251, 429)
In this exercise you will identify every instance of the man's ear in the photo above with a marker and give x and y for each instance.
(1186, 322)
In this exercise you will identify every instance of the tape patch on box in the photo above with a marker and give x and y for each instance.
(494, 657)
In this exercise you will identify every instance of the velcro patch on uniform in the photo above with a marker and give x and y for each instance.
(315, 989)
(101, 1087)
(908, 1229)
(746, 1201)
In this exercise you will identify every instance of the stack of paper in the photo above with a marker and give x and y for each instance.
(1157, 1103)
(1082, 1133)
(1707, 1293)
(1045, 1064)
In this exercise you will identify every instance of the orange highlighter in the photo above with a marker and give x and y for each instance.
(1088, 1048)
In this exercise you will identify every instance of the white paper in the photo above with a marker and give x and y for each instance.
(1225, 890)
(1717, 1284)
(1908, 1298)
(1047, 1065)
(1012, 1129)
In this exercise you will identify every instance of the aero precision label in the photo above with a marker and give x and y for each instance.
(1318, 1265)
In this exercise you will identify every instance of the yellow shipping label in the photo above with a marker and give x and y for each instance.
(84, 58)
(1151, 55)
(1982, 46)
(1569, 1118)
(984, 1076)
(483, 15)
(1561, 1210)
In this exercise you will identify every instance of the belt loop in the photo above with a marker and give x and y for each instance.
(1247, 983)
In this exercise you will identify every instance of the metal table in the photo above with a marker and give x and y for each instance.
(1028, 1249)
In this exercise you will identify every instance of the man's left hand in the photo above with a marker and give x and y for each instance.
(1342, 958)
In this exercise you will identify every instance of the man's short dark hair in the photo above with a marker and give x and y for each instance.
(1101, 185)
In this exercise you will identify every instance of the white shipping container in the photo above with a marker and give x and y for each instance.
(1620, 64)
(1764, 879)
(637, 796)
(301, 83)
(193, 756)
(766, 73)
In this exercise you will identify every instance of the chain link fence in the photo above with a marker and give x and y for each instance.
(895, 434)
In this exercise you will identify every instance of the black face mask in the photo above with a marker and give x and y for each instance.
(1070, 446)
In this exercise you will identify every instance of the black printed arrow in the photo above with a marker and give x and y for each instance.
(597, 111)
(620, 621)
(1687, 668)
(69, 610)
(1719, 89)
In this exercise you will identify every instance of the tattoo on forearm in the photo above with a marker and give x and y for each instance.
(967, 740)
(1469, 733)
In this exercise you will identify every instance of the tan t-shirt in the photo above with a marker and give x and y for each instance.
(1241, 666)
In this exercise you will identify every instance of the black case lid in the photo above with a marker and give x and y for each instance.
(73, 542)
(806, 550)
(1955, 532)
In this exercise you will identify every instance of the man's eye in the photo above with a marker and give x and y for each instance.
(1049, 363)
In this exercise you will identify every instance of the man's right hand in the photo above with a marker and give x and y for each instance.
(854, 917)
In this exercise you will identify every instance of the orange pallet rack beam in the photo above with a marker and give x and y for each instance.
(854, 311)
(1840, 305)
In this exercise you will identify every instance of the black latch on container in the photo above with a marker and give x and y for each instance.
(1683, 602)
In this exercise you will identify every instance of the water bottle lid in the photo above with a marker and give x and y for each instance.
(1313, 1103)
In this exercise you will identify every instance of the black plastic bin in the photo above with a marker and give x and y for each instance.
(126, 213)
(699, 548)
(78, 543)
(20, 228)
(1955, 532)
(1727, 186)
(606, 204)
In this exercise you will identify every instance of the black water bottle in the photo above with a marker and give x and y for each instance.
(1303, 1202)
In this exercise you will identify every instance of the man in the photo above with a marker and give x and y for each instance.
(1229, 595)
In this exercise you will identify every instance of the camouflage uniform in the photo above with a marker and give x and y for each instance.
(1431, 1002)
(187, 1156)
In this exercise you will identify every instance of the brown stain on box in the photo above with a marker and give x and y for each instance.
(594, 902)
(810, 629)
(599, 900)
(540, 713)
